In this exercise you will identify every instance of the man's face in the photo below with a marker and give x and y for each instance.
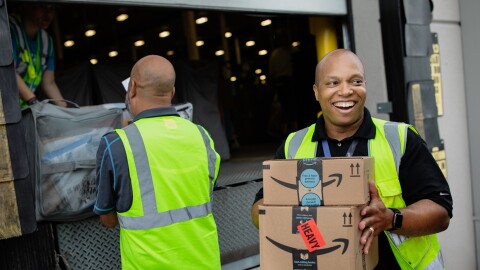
(340, 90)
(42, 15)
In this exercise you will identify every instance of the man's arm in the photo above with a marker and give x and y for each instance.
(109, 220)
(423, 217)
(50, 87)
(424, 190)
(24, 91)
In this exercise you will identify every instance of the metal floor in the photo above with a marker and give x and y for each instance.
(88, 245)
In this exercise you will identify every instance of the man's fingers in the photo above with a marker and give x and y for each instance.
(367, 238)
(373, 191)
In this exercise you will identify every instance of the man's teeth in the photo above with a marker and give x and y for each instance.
(344, 104)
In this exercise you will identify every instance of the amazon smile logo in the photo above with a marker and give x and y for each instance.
(322, 251)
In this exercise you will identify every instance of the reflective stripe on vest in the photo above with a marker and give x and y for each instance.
(295, 140)
(151, 218)
(424, 251)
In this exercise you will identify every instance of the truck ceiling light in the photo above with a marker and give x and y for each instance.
(295, 43)
(228, 34)
(93, 61)
(266, 22)
(201, 20)
(199, 43)
(233, 78)
(263, 77)
(170, 52)
(139, 43)
(164, 34)
(122, 17)
(69, 43)
(113, 53)
(90, 33)
(219, 52)
(250, 43)
(258, 71)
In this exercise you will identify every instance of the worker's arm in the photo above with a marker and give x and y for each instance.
(50, 87)
(255, 212)
(24, 91)
(423, 217)
(109, 220)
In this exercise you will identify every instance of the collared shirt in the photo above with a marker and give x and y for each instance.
(114, 191)
(420, 177)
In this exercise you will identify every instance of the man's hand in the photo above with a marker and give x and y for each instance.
(423, 217)
(109, 220)
(376, 218)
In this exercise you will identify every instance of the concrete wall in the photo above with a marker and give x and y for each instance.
(457, 242)
(470, 21)
(368, 45)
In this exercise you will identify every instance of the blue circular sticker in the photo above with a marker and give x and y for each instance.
(311, 199)
(309, 178)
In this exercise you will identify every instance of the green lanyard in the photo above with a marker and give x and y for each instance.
(33, 72)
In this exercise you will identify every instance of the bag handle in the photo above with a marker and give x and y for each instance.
(75, 105)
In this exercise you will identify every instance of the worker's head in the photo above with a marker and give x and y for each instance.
(40, 15)
(152, 84)
(340, 88)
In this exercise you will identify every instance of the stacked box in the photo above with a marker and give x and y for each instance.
(311, 212)
(317, 181)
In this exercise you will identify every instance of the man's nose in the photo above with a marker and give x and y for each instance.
(344, 89)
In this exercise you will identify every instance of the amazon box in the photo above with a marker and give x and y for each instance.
(317, 181)
(326, 237)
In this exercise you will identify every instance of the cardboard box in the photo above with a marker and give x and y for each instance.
(282, 247)
(317, 181)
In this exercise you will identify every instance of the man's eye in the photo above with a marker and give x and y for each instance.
(357, 82)
(331, 83)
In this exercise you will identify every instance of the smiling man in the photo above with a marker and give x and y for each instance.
(410, 199)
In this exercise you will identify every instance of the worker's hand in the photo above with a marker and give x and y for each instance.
(375, 219)
(109, 220)
(61, 103)
(32, 101)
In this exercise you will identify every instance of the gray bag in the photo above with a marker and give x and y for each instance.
(67, 140)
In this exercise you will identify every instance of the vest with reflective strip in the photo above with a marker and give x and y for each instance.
(387, 148)
(173, 167)
(25, 58)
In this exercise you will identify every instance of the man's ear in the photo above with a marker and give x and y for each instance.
(133, 88)
(173, 92)
(315, 91)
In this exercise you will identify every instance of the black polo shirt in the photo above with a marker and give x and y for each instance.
(420, 177)
(114, 190)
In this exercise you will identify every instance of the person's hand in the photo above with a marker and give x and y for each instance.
(32, 101)
(376, 218)
(61, 103)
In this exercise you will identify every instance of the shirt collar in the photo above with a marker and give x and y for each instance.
(160, 111)
(365, 131)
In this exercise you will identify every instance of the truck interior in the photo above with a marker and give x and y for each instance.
(221, 58)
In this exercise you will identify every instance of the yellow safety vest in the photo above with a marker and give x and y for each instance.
(173, 167)
(387, 148)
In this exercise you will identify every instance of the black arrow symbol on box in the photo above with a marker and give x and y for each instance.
(316, 252)
(345, 218)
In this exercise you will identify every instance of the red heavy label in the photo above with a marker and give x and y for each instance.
(311, 235)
